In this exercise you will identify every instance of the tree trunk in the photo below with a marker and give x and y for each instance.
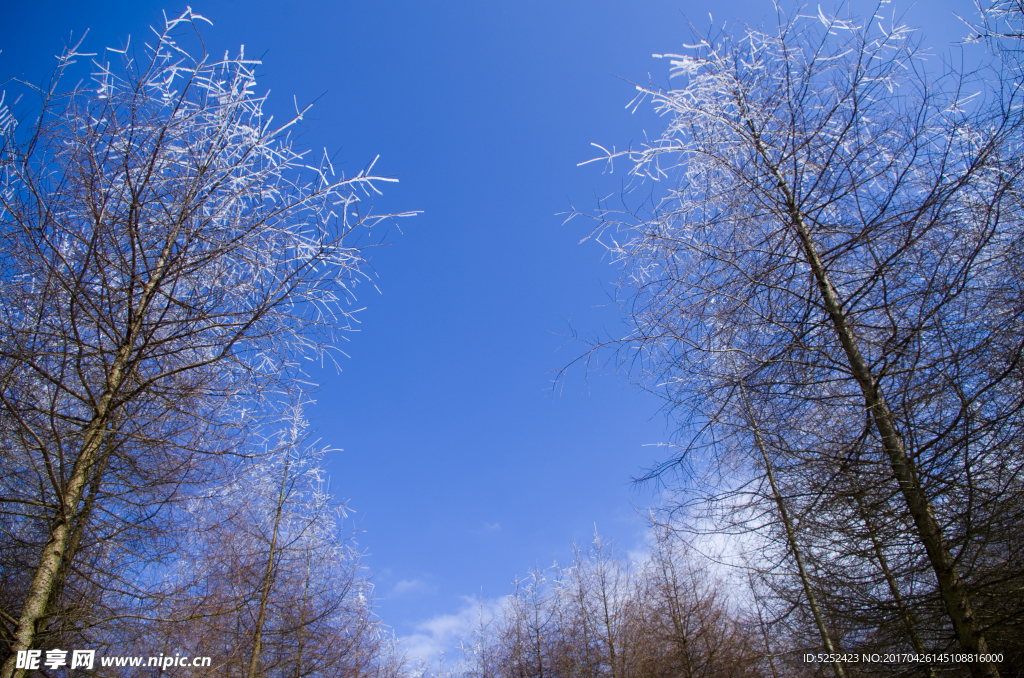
(951, 587)
(56, 550)
(794, 547)
(268, 578)
(764, 630)
(670, 582)
(905, 615)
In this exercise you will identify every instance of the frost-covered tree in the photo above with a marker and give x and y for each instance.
(832, 237)
(270, 582)
(168, 254)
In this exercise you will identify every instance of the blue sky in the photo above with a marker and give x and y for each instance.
(464, 467)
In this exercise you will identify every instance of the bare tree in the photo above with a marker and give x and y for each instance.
(835, 232)
(526, 634)
(793, 543)
(267, 581)
(601, 616)
(700, 629)
(280, 578)
(168, 254)
(479, 660)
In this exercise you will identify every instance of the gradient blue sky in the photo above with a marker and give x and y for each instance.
(463, 466)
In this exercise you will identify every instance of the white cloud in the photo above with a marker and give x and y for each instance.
(444, 633)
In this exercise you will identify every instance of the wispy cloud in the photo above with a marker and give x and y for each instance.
(442, 635)
(487, 529)
(411, 587)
